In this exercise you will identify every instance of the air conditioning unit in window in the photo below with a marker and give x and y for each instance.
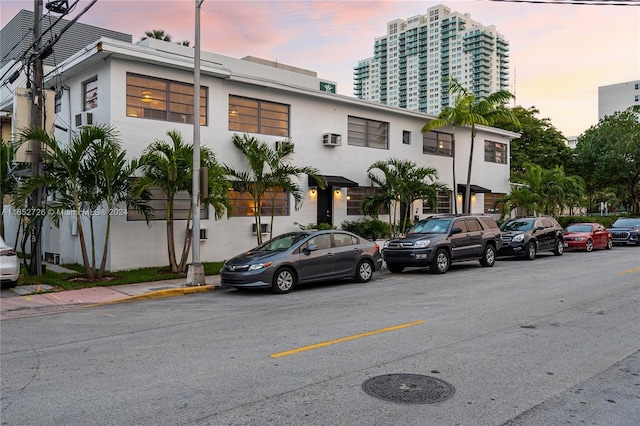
(265, 228)
(331, 139)
(282, 144)
(84, 119)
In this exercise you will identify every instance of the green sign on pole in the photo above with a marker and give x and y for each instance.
(327, 87)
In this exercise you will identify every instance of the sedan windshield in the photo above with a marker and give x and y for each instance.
(518, 225)
(282, 242)
(578, 228)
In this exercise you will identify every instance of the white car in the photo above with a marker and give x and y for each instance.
(9, 265)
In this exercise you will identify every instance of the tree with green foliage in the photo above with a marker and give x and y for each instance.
(268, 170)
(84, 174)
(401, 183)
(608, 155)
(168, 165)
(542, 191)
(156, 34)
(8, 180)
(540, 142)
(471, 111)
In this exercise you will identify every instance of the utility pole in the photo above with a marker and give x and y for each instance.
(37, 108)
(195, 273)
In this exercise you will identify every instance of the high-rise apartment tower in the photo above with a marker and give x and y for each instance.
(412, 62)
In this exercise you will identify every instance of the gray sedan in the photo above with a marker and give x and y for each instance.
(303, 257)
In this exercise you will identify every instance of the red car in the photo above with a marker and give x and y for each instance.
(587, 236)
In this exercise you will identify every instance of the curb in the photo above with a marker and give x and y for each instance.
(158, 294)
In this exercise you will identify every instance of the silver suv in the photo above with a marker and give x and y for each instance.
(439, 240)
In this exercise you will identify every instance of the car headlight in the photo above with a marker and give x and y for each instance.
(518, 238)
(579, 238)
(385, 245)
(421, 244)
(257, 266)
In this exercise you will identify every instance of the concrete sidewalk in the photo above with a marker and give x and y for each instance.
(35, 300)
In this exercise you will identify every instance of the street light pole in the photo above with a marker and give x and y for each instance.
(195, 273)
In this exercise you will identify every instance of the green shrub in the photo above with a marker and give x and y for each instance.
(371, 229)
(606, 221)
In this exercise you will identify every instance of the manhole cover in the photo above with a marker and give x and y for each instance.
(408, 388)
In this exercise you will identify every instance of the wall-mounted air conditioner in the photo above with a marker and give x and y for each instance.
(265, 228)
(282, 144)
(331, 139)
(84, 119)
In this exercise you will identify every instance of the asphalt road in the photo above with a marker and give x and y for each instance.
(549, 342)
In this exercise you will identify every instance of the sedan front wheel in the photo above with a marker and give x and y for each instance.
(283, 281)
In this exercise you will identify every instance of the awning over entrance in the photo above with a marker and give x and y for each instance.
(474, 189)
(337, 181)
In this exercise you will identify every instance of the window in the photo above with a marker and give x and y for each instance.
(157, 99)
(444, 204)
(90, 94)
(368, 133)
(257, 116)
(495, 152)
(356, 197)
(181, 207)
(406, 137)
(436, 143)
(243, 203)
(491, 203)
(58, 102)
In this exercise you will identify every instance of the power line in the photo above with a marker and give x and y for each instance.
(577, 2)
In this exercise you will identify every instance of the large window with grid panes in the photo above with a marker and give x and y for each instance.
(495, 152)
(158, 202)
(275, 201)
(356, 197)
(437, 143)
(158, 99)
(443, 206)
(367, 133)
(249, 115)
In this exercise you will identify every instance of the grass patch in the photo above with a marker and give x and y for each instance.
(76, 280)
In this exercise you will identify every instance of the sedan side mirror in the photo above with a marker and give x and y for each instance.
(310, 248)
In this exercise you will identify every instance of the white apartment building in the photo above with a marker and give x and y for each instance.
(617, 97)
(411, 60)
(145, 89)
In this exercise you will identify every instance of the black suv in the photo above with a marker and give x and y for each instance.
(526, 236)
(626, 230)
(439, 240)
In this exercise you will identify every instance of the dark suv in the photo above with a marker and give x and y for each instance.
(526, 236)
(439, 240)
(626, 230)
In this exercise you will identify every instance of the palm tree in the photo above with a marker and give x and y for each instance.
(8, 181)
(157, 34)
(169, 167)
(472, 111)
(542, 191)
(66, 176)
(402, 182)
(268, 170)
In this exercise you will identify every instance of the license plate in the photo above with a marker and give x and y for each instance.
(566, 245)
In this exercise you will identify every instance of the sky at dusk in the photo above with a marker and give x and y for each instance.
(559, 53)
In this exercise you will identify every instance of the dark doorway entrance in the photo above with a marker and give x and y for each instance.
(325, 205)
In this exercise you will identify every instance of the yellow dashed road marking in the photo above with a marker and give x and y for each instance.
(345, 339)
